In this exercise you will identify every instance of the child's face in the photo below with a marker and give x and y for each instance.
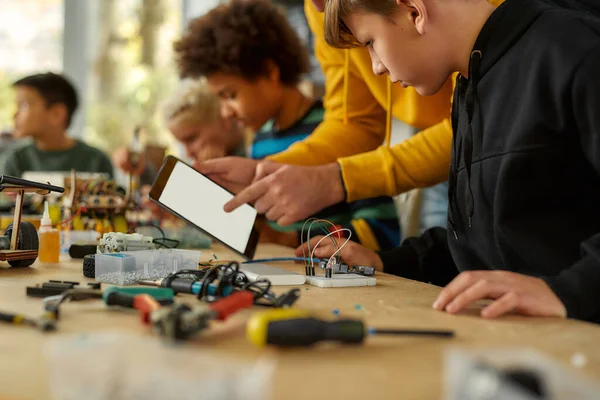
(399, 48)
(201, 141)
(32, 115)
(249, 103)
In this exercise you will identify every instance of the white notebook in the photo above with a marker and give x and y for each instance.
(277, 276)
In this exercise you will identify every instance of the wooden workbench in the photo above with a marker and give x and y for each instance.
(395, 368)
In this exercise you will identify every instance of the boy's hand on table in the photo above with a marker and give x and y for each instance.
(353, 253)
(233, 173)
(512, 292)
(290, 193)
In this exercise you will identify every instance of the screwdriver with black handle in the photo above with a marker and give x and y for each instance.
(299, 328)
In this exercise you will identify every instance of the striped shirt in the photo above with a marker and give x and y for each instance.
(373, 222)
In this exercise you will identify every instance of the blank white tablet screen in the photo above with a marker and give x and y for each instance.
(200, 201)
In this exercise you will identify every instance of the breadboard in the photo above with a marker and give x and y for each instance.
(341, 280)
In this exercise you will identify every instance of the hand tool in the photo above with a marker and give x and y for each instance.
(298, 328)
(179, 322)
(113, 296)
(45, 323)
(53, 288)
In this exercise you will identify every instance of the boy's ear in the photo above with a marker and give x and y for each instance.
(416, 10)
(272, 70)
(58, 114)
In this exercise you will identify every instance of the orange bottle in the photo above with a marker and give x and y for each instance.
(49, 251)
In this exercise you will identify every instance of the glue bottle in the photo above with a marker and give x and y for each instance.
(49, 239)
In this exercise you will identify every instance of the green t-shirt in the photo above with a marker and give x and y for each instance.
(81, 157)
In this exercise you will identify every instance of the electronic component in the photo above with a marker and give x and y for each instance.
(298, 328)
(230, 275)
(329, 264)
(363, 270)
(343, 268)
(53, 288)
(180, 321)
(115, 242)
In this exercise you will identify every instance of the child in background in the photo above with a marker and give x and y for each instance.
(523, 218)
(45, 107)
(192, 114)
(253, 60)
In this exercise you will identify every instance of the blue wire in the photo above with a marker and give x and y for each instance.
(264, 260)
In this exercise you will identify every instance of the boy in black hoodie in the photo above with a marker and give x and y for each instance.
(524, 214)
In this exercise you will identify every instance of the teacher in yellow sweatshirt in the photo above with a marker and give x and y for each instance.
(344, 158)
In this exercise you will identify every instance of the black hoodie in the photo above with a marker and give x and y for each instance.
(525, 174)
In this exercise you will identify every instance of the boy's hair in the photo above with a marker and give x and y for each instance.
(337, 33)
(54, 89)
(239, 38)
(193, 101)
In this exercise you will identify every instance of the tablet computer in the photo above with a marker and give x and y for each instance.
(193, 197)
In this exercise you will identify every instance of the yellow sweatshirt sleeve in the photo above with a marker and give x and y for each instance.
(420, 161)
(354, 121)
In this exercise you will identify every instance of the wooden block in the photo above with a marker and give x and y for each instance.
(10, 255)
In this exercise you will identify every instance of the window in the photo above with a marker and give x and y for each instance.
(26, 47)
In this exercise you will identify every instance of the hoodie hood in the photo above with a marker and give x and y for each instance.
(503, 32)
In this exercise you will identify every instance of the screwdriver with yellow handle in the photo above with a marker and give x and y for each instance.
(300, 328)
(46, 323)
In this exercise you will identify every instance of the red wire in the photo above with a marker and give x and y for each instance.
(337, 228)
(81, 209)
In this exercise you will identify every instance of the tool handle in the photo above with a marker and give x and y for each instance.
(145, 304)
(119, 299)
(229, 305)
(308, 331)
(182, 285)
(11, 180)
(5, 317)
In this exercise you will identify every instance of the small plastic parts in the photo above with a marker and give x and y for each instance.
(129, 267)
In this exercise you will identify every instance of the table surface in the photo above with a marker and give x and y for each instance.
(398, 367)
